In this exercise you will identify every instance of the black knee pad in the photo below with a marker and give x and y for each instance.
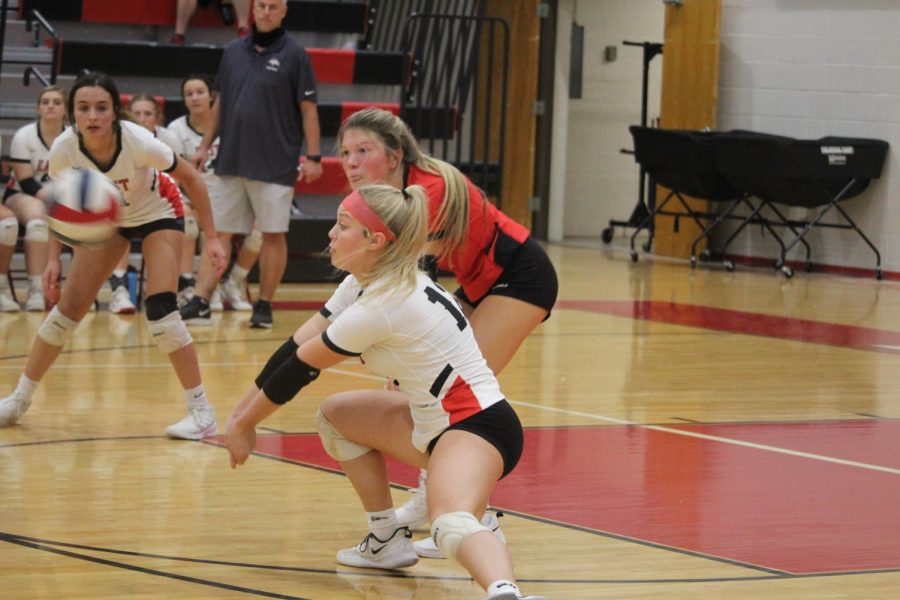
(160, 305)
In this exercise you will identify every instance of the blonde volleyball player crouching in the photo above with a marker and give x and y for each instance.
(446, 411)
(130, 156)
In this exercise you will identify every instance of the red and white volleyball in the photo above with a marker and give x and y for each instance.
(86, 207)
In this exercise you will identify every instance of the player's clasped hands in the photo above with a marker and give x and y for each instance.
(240, 442)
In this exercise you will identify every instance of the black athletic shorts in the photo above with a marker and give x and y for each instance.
(528, 276)
(141, 231)
(500, 426)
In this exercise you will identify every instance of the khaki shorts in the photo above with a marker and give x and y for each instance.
(238, 203)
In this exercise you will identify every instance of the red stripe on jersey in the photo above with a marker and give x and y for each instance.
(460, 402)
(168, 189)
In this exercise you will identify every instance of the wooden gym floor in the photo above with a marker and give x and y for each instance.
(689, 434)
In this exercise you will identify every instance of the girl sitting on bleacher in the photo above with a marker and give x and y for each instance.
(29, 156)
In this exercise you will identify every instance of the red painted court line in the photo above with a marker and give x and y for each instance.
(718, 319)
(776, 511)
(735, 321)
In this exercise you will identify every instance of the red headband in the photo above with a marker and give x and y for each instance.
(357, 206)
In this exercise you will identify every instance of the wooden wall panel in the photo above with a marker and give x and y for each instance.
(689, 95)
(521, 122)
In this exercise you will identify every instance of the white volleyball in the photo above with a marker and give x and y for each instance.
(86, 207)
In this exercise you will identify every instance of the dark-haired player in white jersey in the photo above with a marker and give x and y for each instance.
(445, 412)
(132, 158)
(197, 93)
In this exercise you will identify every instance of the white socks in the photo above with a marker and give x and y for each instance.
(196, 397)
(383, 523)
(26, 386)
(503, 585)
(238, 274)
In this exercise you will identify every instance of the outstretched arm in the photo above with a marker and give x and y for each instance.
(278, 384)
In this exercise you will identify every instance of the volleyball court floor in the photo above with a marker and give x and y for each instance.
(687, 432)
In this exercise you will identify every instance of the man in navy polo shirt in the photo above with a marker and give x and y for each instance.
(266, 105)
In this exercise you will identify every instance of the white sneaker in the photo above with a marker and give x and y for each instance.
(7, 304)
(414, 512)
(35, 300)
(233, 293)
(12, 408)
(199, 423)
(395, 552)
(501, 595)
(426, 548)
(120, 302)
(215, 301)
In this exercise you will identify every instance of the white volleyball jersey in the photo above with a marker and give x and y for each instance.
(191, 140)
(134, 169)
(28, 147)
(423, 342)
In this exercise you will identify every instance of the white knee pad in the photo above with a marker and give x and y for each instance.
(56, 328)
(9, 231)
(336, 445)
(450, 530)
(37, 230)
(253, 241)
(191, 229)
(170, 333)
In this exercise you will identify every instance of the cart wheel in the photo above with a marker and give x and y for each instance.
(693, 262)
(607, 235)
(705, 255)
(633, 256)
(879, 274)
(729, 266)
(648, 245)
(788, 272)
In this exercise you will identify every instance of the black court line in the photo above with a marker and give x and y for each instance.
(26, 542)
(538, 519)
(534, 518)
(49, 546)
(140, 346)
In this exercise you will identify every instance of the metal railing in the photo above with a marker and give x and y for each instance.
(34, 21)
(33, 17)
(459, 66)
(32, 70)
(385, 15)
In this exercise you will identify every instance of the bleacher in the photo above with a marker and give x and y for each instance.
(129, 40)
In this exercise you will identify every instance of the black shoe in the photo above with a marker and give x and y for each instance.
(196, 312)
(186, 282)
(262, 315)
(115, 282)
(227, 11)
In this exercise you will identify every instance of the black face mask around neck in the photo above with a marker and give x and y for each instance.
(265, 39)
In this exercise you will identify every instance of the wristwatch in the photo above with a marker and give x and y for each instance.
(314, 157)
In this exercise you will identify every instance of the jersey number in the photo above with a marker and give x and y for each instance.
(435, 297)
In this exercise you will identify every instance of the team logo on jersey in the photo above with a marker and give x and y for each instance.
(273, 65)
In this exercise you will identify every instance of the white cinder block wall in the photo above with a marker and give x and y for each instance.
(802, 68)
(600, 182)
(811, 68)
